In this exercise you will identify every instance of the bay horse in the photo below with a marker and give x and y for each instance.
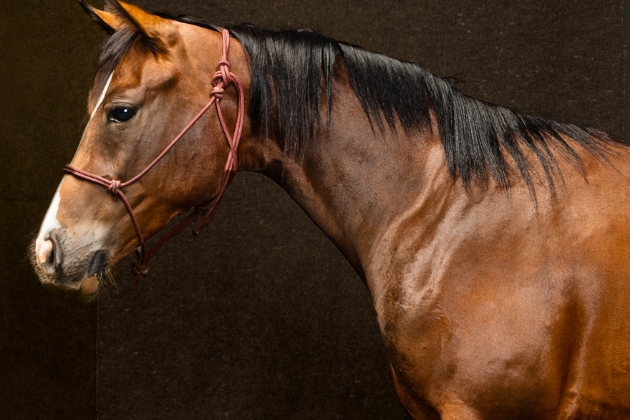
(494, 244)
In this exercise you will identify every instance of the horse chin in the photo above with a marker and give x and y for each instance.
(89, 288)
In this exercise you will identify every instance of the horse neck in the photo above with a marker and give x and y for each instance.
(355, 182)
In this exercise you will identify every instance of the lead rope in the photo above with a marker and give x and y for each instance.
(222, 78)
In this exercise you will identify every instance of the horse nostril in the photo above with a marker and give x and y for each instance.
(46, 253)
(49, 256)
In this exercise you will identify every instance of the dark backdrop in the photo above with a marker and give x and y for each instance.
(260, 317)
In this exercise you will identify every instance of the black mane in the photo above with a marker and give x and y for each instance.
(295, 68)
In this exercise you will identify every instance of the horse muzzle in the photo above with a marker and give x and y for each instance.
(66, 267)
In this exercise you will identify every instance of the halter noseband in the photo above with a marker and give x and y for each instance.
(221, 79)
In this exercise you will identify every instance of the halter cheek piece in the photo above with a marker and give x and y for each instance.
(221, 79)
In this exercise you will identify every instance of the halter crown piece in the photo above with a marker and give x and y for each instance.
(222, 78)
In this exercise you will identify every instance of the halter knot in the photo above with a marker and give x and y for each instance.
(221, 79)
(224, 69)
(140, 270)
(114, 187)
(218, 91)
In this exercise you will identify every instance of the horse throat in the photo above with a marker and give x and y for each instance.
(355, 182)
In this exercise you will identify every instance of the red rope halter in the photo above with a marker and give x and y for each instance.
(221, 79)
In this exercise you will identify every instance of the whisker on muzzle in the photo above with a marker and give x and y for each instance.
(32, 258)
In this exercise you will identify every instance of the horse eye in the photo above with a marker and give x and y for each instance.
(121, 114)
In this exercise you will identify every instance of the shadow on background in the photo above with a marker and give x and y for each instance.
(260, 317)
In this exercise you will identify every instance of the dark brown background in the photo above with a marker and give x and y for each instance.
(260, 317)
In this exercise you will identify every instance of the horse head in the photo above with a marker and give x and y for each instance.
(154, 76)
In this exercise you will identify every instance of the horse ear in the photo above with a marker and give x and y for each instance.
(108, 21)
(156, 31)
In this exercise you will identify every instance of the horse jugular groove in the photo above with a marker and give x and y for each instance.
(493, 243)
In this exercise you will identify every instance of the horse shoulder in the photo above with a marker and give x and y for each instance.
(503, 291)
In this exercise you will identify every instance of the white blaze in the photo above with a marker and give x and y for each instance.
(50, 220)
(98, 103)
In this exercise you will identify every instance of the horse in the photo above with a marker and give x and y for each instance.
(493, 243)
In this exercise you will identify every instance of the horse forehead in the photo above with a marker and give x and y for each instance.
(132, 66)
(142, 72)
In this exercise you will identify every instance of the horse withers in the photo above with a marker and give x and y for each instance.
(493, 243)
